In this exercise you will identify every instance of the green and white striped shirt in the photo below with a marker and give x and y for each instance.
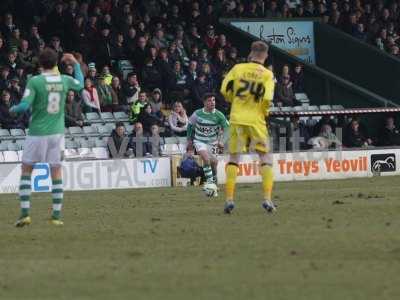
(205, 126)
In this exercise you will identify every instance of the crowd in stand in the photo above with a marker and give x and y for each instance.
(177, 54)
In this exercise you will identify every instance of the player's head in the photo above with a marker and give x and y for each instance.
(209, 101)
(48, 59)
(259, 51)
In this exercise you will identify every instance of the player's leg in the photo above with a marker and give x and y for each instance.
(54, 158)
(237, 145)
(57, 194)
(260, 142)
(202, 151)
(25, 195)
(34, 149)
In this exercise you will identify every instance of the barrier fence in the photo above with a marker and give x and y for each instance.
(161, 172)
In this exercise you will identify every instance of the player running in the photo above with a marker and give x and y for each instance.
(249, 87)
(204, 133)
(46, 94)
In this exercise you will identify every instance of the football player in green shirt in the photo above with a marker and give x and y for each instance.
(204, 134)
(45, 95)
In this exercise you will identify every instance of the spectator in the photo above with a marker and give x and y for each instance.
(139, 144)
(189, 168)
(107, 97)
(15, 90)
(117, 143)
(138, 106)
(156, 103)
(326, 139)
(107, 76)
(151, 75)
(390, 134)
(355, 136)
(298, 79)
(118, 49)
(9, 120)
(299, 134)
(131, 89)
(73, 110)
(119, 94)
(148, 118)
(201, 86)
(92, 73)
(4, 78)
(178, 120)
(90, 97)
(284, 93)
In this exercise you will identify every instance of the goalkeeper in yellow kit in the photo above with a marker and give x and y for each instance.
(249, 87)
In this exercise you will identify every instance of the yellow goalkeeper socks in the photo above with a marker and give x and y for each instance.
(267, 180)
(231, 174)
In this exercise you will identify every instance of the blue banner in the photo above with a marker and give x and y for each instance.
(295, 37)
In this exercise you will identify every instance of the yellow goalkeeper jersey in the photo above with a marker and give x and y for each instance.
(249, 87)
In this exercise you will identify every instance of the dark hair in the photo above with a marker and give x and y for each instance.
(208, 95)
(48, 59)
(119, 124)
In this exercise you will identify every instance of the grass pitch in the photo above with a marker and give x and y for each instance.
(329, 240)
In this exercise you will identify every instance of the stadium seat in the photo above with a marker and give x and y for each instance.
(286, 108)
(85, 152)
(13, 147)
(111, 125)
(107, 117)
(17, 133)
(11, 156)
(100, 152)
(71, 153)
(104, 130)
(71, 144)
(298, 108)
(90, 130)
(121, 116)
(93, 117)
(312, 108)
(75, 131)
(21, 143)
(274, 109)
(170, 149)
(337, 107)
(3, 146)
(171, 140)
(325, 107)
(1, 157)
(182, 140)
(129, 128)
(5, 134)
(101, 143)
(124, 67)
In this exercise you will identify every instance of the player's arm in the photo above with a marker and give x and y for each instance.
(269, 86)
(27, 99)
(227, 86)
(75, 83)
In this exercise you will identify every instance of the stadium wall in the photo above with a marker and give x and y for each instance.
(156, 172)
(93, 175)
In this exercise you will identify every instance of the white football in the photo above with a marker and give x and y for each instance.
(210, 189)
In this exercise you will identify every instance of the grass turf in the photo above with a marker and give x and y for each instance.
(329, 240)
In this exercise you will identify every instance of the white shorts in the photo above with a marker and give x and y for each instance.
(212, 149)
(46, 149)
